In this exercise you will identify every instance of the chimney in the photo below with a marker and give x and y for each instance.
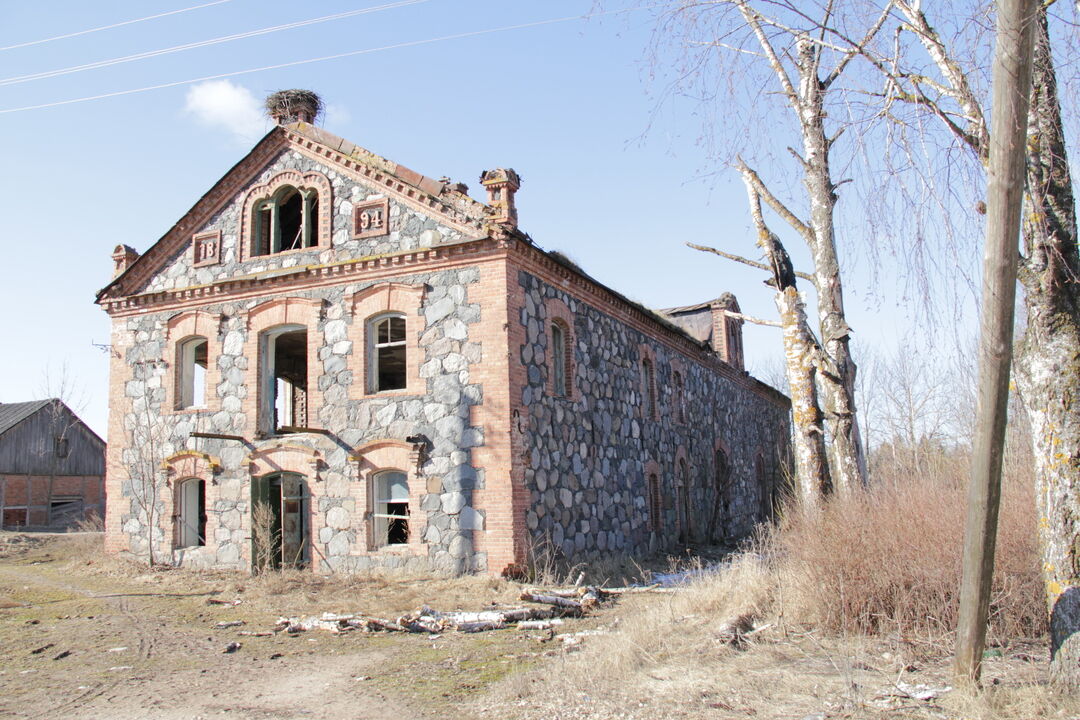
(123, 258)
(727, 340)
(501, 185)
(292, 106)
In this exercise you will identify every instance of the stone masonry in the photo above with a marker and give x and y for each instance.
(497, 461)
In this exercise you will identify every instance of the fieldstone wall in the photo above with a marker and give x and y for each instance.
(410, 229)
(588, 452)
(449, 352)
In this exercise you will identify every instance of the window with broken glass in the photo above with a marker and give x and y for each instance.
(391, 508)
(287, 220)
(388, 353)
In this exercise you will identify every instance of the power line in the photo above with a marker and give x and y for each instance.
(202, 43)
(114, 25)
(412, 43)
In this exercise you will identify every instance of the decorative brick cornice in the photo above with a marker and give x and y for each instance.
(535, 260)
(460, 211)
(456, 209)
(389, 265)
(299, 278)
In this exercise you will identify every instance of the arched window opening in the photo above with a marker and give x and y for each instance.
(766, 487)
(288, 220)
(391, 508)
(648, 382)
(388, 353)
(191, 513)
(682, 503)
(559, 352)
(722, 481)
(680, 397)
(285, 372)
(656, 521)
(191, 361)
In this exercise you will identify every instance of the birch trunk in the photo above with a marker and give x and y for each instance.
(838, 383)
(811, 468)
(1048, 361)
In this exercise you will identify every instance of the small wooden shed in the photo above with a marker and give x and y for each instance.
(52, 466)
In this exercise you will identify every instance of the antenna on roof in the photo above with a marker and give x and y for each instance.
(290, 106)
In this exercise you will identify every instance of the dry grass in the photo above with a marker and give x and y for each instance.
(887, 560)
(849, 601)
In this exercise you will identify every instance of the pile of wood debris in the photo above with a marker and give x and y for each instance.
(548, 609)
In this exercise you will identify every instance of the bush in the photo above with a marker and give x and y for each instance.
(887, 559)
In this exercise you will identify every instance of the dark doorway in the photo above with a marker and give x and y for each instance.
(279, 522)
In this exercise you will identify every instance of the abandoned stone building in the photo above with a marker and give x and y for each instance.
(52, 467)
(332, 361)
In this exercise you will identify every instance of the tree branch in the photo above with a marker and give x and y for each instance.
(751, 177)
(753, 20)
(744, 261)
(752, 319)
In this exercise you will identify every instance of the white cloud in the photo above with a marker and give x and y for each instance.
(220, 103)
(337, 116)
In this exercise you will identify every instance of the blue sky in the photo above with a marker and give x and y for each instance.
(611, 177)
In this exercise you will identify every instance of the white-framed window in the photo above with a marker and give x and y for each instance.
(387, 353)
(390, 508)
(191, 513)
(191, 361)
(287, 220)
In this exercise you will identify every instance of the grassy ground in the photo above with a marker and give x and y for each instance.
(89, 636)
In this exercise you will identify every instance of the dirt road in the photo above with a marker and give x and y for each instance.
(79, 643)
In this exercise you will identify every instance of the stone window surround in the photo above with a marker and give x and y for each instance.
(178, 330)
(370, 303)
(559, 312)
(301, 181)
(373, 458)
(266, 316)
(646, 353)
(188, 465)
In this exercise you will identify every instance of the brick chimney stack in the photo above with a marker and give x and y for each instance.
(291, 106)
(123, 257)
(501, 184)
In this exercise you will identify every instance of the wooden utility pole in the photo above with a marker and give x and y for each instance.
(1005, 190)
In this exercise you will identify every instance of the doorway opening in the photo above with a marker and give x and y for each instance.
(279, 522)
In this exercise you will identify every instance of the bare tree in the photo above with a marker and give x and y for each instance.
(67, 401)
(147, 481)
(805, 66)
(1047, 362)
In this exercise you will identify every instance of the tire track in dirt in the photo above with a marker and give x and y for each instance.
(122, 606)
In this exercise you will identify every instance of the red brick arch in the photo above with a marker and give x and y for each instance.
(298, 180)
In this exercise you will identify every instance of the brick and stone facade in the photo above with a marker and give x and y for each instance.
(460, 417)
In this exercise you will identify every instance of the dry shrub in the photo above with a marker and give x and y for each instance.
(265, 540)
(888, 559)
